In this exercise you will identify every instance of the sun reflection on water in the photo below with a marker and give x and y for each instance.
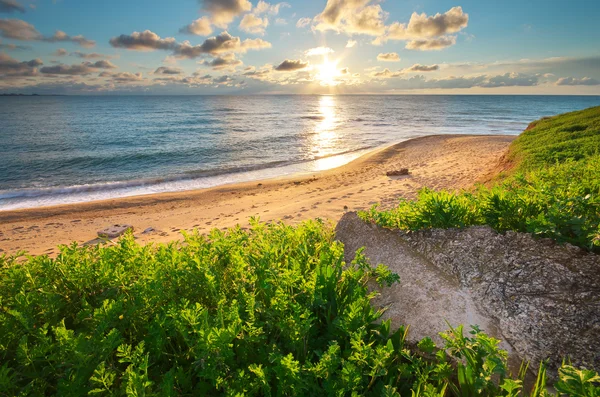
(324, 142)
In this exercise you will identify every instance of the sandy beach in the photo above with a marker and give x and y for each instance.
(436, 162)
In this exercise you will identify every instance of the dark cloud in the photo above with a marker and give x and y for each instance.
(82, 69)
(10, 67)
(20, 30)
(70, 70)
(576, 81)
(143, 41)
(291, 65)
(103, 64)
(422, 68)
(9, 6)
(168, 70)
(92, 55)
(431, 44)
(224, 62)
(123, 77)
(222, 43)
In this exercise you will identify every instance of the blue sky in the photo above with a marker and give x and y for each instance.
(248, 46)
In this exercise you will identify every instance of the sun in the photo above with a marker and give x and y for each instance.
(328, 72)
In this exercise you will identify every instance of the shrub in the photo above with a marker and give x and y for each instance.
(553, 190)
(269, 311)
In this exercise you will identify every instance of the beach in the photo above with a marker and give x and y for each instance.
(438, 162)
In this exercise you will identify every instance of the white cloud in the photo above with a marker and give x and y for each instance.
(318, 51)
(350, 43)
(303, 22)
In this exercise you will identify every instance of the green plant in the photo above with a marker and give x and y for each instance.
(553, 191)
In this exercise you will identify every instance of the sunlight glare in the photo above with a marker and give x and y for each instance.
(328, 72)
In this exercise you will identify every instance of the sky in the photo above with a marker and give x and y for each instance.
(299, 47)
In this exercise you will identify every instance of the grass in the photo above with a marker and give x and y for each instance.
(551, 190)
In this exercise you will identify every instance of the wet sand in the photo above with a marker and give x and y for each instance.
(436, 162)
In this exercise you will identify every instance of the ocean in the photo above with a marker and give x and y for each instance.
(68, 149)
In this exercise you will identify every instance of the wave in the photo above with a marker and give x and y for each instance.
(33, 193)
(313, 117)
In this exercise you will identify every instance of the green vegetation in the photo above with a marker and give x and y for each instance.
(552, 190)
(269, 311)
(274, 310)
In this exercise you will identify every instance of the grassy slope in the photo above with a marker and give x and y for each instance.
(552, 188)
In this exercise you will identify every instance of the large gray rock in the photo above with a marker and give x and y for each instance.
(541, 298)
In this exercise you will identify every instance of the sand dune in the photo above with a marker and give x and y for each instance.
(437, 162)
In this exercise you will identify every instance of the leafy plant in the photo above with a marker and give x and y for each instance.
(553, 190)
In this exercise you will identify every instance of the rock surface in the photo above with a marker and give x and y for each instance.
(114, 231)
(541, 298)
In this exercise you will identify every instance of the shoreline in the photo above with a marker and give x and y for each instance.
(435, 161)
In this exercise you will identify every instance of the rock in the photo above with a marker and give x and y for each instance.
(541, 298)
(114, 231)
(148, 230)
(399, 172)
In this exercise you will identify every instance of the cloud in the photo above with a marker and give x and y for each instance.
(102, 64)
(427, 32)
(10, 67)
(352, 17)
(254, 24)
(125, 77)
(576, 81)
(200, 27)
(9, 6)
(350, 43)
(92, 55)
(223, 12)
(456, 82)
(61, 52)
(224, 62)
(452, 21)
(81, 69)
(143, 41)
(510, 80)
(13, 47)
(71, 70)
(388, 57)
(318, 51)
(431, 44)
(303, 22)
(20, 30)
(168, 70)
(59, 36)
(291, 65)
(222, 43)
(262, 7)
(421, 68)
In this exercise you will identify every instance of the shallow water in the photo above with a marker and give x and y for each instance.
(57, 150)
